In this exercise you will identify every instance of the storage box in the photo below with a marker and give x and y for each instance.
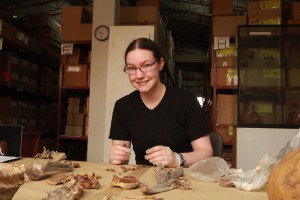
(265, 20)
(222, 7)
(74, 130)
(227, 25)
(139, 15)
(224, 76)
(18, 37)
(261, 8)
(74, 109)
(264, 109)
(227, 109)
(265, 76)
(293, 78)
(228, 132)
(75, 15)
(74, 101)
(77, 33)
(226, 57)
(75, 75)
(75, 119)
(295, 8)
(147, 3)
(41, 21)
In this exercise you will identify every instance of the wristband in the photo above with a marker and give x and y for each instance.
(182, 159)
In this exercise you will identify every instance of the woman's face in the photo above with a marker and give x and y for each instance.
(144, 81)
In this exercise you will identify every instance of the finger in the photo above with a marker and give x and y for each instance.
(154, 149)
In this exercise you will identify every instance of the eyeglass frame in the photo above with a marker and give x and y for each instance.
(141, 68)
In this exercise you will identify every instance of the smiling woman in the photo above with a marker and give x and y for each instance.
(151, 120)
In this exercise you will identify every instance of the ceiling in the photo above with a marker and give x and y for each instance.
(188, 20)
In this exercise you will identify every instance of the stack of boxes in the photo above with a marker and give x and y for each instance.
(264, 12)
(47, 31)
(224, 75)
(76, 118)
(76, 29)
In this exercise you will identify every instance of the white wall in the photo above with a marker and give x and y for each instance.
(254, 143)
(103, 13)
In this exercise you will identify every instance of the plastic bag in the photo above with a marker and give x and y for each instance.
(216, 169)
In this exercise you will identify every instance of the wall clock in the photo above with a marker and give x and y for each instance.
(102, 33)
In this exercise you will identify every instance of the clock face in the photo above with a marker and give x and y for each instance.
(101, 33)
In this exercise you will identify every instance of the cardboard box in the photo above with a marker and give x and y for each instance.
(147, 3)
(9, 107)
(265, 76)
(293, 21)
(292, 78)
(77, 33)
(227, 109)
(19, 38)
(222, 7)
(77, 57)
(265, 20)
(74, 109)
(227, 25)
(225, 76)
(139, 15)
(265, 111)
(75, 15)
(41, 21)
(227, 57)
(75, 119)
(261, 8)
(295, 7)
(74, 101)
(75, 75)
(228, 132)
(74, 130)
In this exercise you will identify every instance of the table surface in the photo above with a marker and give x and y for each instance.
(201, 190)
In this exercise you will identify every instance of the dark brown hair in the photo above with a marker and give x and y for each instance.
(147, 44)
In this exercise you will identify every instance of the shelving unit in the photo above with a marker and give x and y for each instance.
(72, 132)
(224, 110)
(271, 55)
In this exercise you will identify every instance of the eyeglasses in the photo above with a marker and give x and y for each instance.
(130, 69)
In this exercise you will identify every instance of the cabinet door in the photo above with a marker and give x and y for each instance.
(118, 84)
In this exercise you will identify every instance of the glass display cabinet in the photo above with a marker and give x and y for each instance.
(269, 76)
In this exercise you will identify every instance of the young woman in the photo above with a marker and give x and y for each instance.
(164, 124)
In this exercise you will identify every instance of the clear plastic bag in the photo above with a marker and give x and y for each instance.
(216, 169)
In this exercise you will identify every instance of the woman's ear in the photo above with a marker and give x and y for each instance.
(161, 64)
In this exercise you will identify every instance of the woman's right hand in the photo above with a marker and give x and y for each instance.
(119, 152)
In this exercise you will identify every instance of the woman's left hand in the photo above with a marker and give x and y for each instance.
(163, 155)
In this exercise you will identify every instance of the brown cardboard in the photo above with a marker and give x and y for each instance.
(227, 132)
(261, 8)
(20, 38)
(139, 15)
(264, 76)
(227, 25)
(225, 76)
(293, 77)
(227, 109)
(74, 101)
(74, 109)
(293, 21)
(75, 75)
(222, 7)
(147, 3)
(77, 33)
(74, 130)
(295, 8)
(265, 20)
(76, 58)
(75, 15)
(75, 119)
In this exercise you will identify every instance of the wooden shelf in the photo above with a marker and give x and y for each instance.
(68, 137)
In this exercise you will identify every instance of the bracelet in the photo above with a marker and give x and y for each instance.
(182, 159)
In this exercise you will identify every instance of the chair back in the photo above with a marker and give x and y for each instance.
(30, 143)
(217, 144)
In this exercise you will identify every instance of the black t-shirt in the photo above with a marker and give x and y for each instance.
(175, 122)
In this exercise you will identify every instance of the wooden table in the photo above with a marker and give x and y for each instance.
(203, 191)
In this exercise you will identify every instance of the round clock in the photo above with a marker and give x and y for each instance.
(102, 33)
